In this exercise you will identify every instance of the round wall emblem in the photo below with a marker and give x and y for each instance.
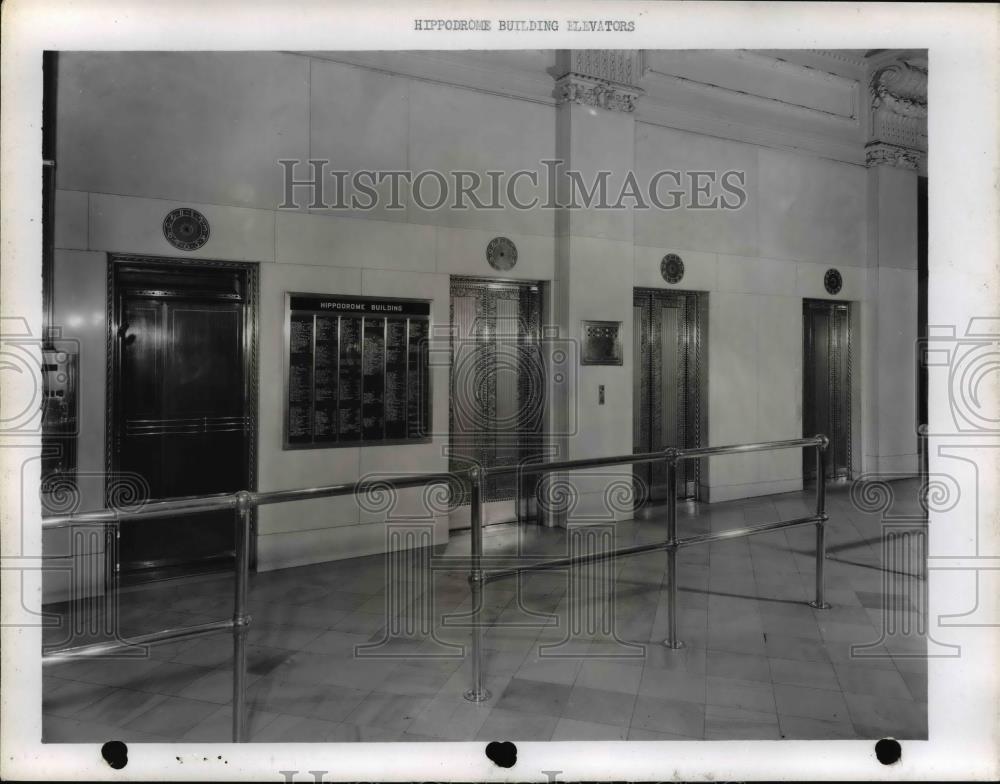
(833, 281)
(185, 229)
(501, 253)
(672, 268)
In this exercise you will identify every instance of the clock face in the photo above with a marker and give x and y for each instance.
(672, 268)
(185, 229)
(501, 253)
(832, 281)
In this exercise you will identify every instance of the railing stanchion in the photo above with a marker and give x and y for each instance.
(112, 579)
(241, 619)
(820, 602)
(478, 692)
(244, 503)
(672, 641)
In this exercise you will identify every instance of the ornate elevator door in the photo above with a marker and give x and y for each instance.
(667, 408)
(498, 385)
(826, 384)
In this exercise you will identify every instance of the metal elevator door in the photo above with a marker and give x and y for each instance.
(667, 408)
(826, 384)
(181, 408)
(498, 380)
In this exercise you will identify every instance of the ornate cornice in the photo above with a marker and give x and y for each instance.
(604, 78)
(901, 88)
(855, 57)
(898, 116)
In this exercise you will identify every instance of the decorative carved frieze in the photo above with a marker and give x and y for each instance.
(574, 88)
(898, 117)
(604, 78)
(883, 154)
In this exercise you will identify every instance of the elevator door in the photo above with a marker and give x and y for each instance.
(667, 410)
(826, 387)
(181, 408)
(497, 387)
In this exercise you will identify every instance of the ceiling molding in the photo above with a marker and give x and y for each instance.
(743, 98)
(854, 57)
(680, 119)
(847, 64)
(728, 114)
(748, 75)
(670, 100)
(465, 70)
(793, 66)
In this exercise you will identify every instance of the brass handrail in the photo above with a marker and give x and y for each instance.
(479, 577)
(244, 502)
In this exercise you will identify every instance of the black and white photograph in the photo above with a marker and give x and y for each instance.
(601, 390)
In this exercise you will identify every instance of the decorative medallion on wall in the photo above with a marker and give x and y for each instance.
(501, 253)
(672, 268)
(833, 281)
(185, 229)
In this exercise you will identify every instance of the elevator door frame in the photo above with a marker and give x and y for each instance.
(691, 389)
(512, 501)
(113, 406)
(840, 454)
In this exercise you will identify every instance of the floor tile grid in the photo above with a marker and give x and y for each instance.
(721, 715)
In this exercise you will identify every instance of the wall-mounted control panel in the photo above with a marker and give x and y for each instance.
(59, 412)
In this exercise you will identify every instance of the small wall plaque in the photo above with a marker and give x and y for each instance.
(672, 268)
(833, 281)
(185, 228)
(602, 343)
(501, 253)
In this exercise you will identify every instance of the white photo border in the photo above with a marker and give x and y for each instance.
(962, 44)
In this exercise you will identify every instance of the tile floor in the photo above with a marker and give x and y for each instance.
(759, 662)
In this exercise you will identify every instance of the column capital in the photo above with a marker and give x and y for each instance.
(897, 133)
(884, 154)
(604, 78)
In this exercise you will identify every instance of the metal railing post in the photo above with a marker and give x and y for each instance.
(672, 641)
(523, 499)
(241, 619)
(478, 692)
(112, 577)
(820, 602)
(244, 502)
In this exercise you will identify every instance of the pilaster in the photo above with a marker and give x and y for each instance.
(895, 154)
(595, 133)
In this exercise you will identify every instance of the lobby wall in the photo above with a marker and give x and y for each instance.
(140, 134)
(125, 160)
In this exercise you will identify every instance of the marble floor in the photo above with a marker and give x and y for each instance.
(341, 652)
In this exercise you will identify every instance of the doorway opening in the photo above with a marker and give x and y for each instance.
(826, 384)
(182, 342)
(668, 350)
(497, 404)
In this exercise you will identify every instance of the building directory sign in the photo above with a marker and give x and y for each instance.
(356, 371)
